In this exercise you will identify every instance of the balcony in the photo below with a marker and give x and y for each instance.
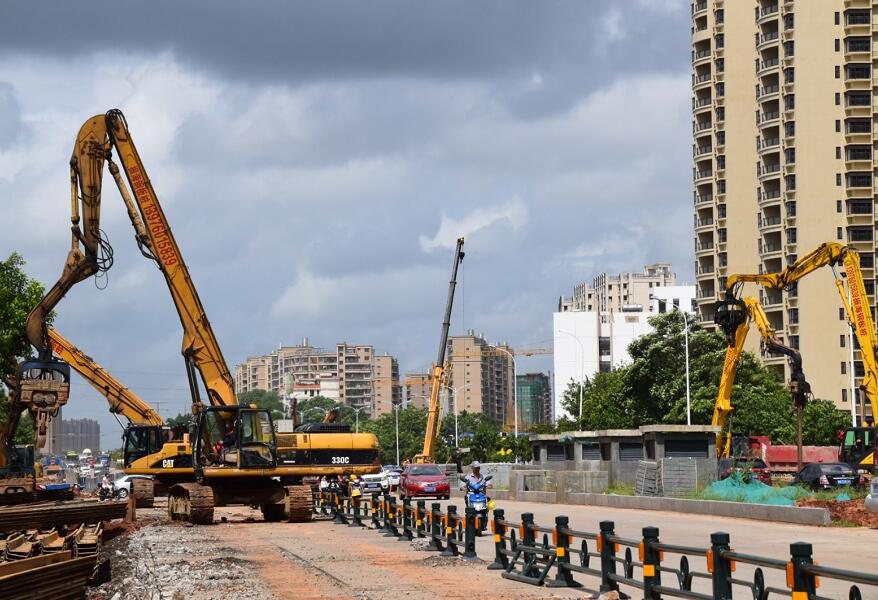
(857, 22)
(768, 118)
(858, 49)
(768, 249)
(705, 294)
(701, 81)
(705, 270)
(769, 197)
(768, 90)
(768, 64)
(704, 247)
(768, 144)
(703, 126)
(702, 150)
(702, 106)
(703, 175)
(702, 224)
(767, 39)
(770, 224)
(702, 198)
(698, 8)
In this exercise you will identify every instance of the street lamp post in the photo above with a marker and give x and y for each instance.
(514, 387)
(356, 412)
(454, 400)
(581, 374)
(686, 338)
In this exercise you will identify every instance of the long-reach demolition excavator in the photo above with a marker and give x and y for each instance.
(733, 317)
(236, 457)
(434, 420)
(859, 444)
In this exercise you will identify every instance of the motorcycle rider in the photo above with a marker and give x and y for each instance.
(106, 487)
(474, 478)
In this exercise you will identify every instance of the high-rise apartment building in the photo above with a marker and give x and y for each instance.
(783, 151)
(417, 389)
(611, 293)
(353, 374)
(534, 397)
(482, 376)
(76, 435)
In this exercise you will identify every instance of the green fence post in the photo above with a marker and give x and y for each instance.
(501, 562)
(608, 556)
(800, 556)
(720, 567)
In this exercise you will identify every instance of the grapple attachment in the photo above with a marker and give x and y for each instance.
(43, 388)
(729, 314)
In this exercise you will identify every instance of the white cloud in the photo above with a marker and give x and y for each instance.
(513, 213)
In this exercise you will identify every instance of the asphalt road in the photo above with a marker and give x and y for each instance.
(848, 548)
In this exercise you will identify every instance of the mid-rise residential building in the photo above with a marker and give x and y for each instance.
(596, 338)
(417, 389)
(352, 374)
(75, 435)
(534, 397)
(782, 124)
(614, 292)
(481, 378)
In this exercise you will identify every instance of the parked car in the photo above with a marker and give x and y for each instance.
(824, 476)
(872, 498)
(392, 473)
(424, 480)
(375, 483)
(123, 484)
(746, 466)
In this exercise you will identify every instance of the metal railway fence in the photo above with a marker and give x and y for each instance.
(556, 556)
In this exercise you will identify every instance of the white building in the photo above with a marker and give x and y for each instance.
(587, 342)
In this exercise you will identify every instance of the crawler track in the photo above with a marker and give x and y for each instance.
(191, 502)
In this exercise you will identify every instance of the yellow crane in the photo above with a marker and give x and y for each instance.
(859, 444)
(734, 317)
(237, 458)
(438, 371)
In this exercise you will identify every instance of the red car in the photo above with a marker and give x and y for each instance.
(746, 467)
(424, 481)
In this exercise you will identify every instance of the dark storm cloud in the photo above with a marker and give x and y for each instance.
(295, 42)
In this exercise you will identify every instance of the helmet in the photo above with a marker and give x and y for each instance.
(475, 464)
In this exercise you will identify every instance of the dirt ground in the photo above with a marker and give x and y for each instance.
(245, 558)
(845, 512)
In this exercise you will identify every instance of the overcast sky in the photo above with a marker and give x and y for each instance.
(317, 160)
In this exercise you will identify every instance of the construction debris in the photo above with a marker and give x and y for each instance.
(57, 514)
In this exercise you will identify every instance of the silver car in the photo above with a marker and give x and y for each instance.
(872, 498)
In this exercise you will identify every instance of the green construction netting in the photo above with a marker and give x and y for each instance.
(736, 489)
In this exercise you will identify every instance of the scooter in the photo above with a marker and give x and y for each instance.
(477, 498)
(114, 494)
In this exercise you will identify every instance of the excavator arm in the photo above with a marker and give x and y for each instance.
(122, 400)
(438, 373)
(853, 297)
(734, 318)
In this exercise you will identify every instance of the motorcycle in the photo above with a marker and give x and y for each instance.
(476, 497)
(112, 494)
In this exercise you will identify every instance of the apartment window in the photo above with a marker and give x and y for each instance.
(838, 150)
(837, 44)
(859, 179)
(841, 313)
(721, 161)
(790, 156)
(791, 209)
(789, 101)
(857, 17)
(858, 44)
(844, 395)
(790, 181)
(794, 341)
(721, 186)
(837, 72)
(842, 341)
(858, 125)
(838, 233)
(789, 49)
(720, 16)
(838, 206)
(720, 138)
(838, 179)
(859, 370)
(858, 71)
(860, 234)
(720, 41)
(858, 98)
(837, 98)
(838, 18)
(721, 113)
(721, 211)
(844, 368)
(788, 21)
(870, 286)
(793, 316)
(791, 235)
(720, 89)
(720, 65)
(789, 75)
(724, 259)
(789, 128)
(837, 125)
(867, 260)
(859, 152)
(721, 235)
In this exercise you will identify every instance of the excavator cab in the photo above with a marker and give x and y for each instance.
(235, 437)
(43, 388)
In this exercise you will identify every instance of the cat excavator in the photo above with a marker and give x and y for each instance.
(734, 316)
(237, 458)
(859, 445)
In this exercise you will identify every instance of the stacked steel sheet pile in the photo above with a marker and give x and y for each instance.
(50, 549)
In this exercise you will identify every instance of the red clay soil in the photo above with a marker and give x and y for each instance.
(849, 511)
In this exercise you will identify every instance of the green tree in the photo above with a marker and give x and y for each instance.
(412, 425)
(264, 399)
(821, 423)
(18, 295)
(606, 402)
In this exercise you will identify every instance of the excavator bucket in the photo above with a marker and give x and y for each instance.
(43, 388)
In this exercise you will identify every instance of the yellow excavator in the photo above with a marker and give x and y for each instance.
(858, 444)
(237, 458)
(734, 316)
(434, 420)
